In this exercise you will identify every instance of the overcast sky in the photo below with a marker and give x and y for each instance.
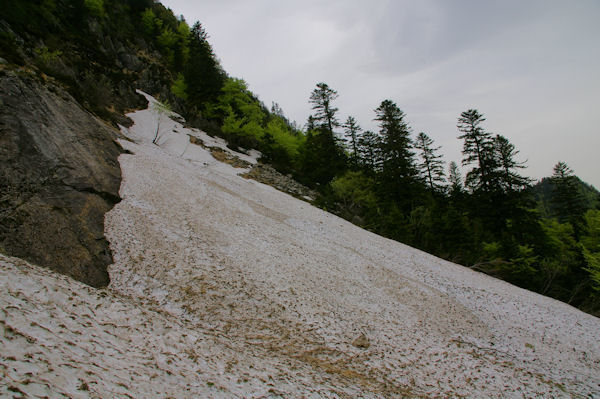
(532, 67)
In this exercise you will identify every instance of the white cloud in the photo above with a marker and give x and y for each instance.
(530, 67)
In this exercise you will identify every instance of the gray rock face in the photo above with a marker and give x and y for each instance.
(266, 174)
(59, 174)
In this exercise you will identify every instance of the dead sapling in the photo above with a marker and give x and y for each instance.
(161, 111)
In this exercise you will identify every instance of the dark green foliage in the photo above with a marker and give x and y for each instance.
(352, 132)
(455, 185)
(321, 159)
(95, 7)
(369, 154)
(590, 242)
(568, 201)
(9, 49)
(477, 149)
(94, 48)
(508, 177)
(544, 193)
(325, 113)
(398, 177)
(322, 156)
(431, 167)
(545, 238)
(397, 157)
(202, 72)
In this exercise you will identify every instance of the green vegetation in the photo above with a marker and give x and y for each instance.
(179, 87)
(96, 7)
(544, 237)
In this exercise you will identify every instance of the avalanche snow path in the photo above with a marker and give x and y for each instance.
(225, 287)
(292, 283)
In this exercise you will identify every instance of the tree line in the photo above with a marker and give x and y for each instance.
(397, 185)
(544, 237)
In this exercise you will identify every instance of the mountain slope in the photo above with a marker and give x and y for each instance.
(232, 289)
(543, 192)
(59, 175)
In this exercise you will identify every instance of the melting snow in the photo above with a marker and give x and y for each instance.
(224, 287)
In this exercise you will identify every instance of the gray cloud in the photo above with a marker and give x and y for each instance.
(531, 67)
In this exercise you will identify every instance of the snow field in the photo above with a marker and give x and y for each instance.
(225, 287)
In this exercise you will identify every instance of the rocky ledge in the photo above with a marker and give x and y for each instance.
(266, 174)
(59, 175)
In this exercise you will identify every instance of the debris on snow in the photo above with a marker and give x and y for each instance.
(226, 287)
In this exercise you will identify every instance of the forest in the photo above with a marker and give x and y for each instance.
(543, 236)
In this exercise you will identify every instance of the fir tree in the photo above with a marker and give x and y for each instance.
(398, 159)
(477, 149)
(431, 166)
(323, 157)
(454, 179)
(325, 113)
(399, 173)
(510, 180)
(352, 131)
(568, 201)
(369, 145)
(203, 74)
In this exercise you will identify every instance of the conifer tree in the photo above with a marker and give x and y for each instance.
(569, 204)
(352, 131)
(203, 74)
(510, 180)
(478, 150)
(431, 166)
(398, 159)
(369, 145)
(325, 113)
(398, 175)
(454, 179)
(310, 124)
(276, 110)
(323, 157)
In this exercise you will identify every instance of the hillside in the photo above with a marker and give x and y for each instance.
(147, 255)
(225, 287)
(544, 194)
(69, 71)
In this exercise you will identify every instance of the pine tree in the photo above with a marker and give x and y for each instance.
(478, 150)
(352, 131)
(431, 166)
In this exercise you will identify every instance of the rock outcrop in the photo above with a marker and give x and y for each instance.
(266, 174)
(59, 174)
